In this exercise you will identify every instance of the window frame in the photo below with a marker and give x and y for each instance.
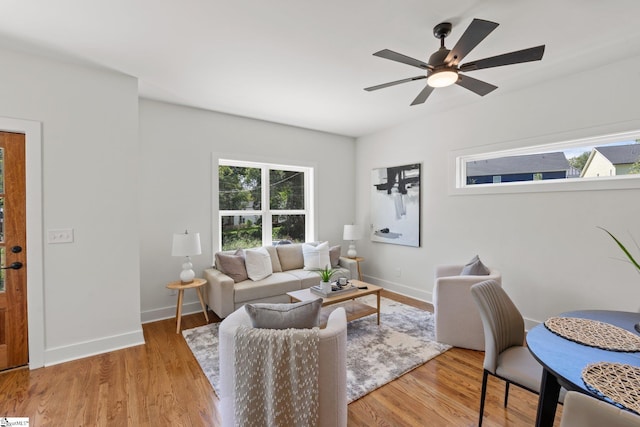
(265, 212)
(458, 159)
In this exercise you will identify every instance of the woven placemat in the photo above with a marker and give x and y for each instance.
(616, 382)
(594, 333)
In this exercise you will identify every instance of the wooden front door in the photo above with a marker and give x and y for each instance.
(14, 350)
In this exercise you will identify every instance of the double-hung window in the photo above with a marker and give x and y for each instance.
(261, 204)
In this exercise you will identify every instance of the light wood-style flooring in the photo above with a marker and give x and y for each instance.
(161, 384)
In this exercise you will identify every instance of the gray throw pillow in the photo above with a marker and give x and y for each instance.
(475, 267)
(334, 255)
(232, 265)
(299, 315)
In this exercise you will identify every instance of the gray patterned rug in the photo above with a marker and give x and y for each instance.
(376, 354)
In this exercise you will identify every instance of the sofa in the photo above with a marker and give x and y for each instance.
(332, 375)
(266, 274)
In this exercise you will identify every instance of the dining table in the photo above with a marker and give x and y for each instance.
(563, 360)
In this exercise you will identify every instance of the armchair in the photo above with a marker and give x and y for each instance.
(332, 404)
(457, 320)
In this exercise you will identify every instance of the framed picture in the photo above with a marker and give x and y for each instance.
(395, 205)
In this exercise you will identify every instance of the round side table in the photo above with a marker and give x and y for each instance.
(197, 284)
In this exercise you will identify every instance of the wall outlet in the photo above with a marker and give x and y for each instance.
(397, 272)
(173, 292)
(63, 235)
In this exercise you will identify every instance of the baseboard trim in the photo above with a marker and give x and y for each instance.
(169, 312)
(400, 288)
(56, 355)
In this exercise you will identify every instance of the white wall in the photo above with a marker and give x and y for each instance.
(177, 144)
(552, 256)
(89, 171)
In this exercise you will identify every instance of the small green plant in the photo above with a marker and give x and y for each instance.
(624, 249)
(325, 273)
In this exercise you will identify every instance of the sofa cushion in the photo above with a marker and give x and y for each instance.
(232, 265)
(299, 315)
(290, 256)
(258, 263)
(277, 284)
(315, 257)
(334, 255)
(475, 267)
(275, 261)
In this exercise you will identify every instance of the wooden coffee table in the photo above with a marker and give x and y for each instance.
(353, 308)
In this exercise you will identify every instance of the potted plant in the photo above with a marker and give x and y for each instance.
(325, 277)
(624, 249)
(631, 260)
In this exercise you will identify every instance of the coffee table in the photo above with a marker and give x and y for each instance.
(353, 308)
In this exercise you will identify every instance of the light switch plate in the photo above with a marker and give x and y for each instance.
(63, 235)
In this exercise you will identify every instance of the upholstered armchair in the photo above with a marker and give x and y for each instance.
(457, 320)
(332, 369)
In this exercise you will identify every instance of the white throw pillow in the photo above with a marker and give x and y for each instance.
(316, 256)
(258, 263)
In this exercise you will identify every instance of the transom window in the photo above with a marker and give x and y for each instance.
(591, 159)
(263, 204)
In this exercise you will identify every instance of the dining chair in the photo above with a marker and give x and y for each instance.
(505, 355)
(581, 410)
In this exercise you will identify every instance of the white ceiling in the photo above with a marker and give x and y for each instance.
(305, 63)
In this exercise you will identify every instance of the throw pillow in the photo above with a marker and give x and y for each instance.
(232, 265)
(300, 315)
(275, 261)
(334, 255)
(290, 256)
(316, 256)
(475, 267)
(258, 263)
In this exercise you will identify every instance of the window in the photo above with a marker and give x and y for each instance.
(608, 157)
(261, 203)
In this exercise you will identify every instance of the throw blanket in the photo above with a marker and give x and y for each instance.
(276, 381)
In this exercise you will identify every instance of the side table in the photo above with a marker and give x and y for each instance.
(358, 260)
(180, 287)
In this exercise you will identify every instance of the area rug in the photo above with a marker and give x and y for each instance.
(376, 355)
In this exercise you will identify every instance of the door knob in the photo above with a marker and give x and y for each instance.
(14, 266)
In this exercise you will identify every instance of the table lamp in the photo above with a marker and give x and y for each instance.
(186, 244)
(351, 233)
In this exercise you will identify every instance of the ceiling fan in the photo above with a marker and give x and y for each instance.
(443, 69)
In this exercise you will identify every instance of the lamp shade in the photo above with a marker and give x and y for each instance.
(351, 232)
(186, 244)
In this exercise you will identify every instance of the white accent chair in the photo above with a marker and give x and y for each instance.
(457, 320)
(332, 381)
(581, 410)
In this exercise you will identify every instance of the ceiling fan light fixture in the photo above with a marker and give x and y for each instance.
(442, 78)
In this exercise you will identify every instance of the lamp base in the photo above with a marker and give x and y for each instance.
(187, 274)
(351, 253)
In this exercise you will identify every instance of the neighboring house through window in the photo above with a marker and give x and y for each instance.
(578, 160)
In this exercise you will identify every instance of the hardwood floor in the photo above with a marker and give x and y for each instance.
(161, 384)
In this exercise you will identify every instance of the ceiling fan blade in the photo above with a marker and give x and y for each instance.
(423, 95)
(472, 36)
(517, 57)
(475, 85)
(397, 82)
(395, 56)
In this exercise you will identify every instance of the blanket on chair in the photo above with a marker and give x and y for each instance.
(276, 377)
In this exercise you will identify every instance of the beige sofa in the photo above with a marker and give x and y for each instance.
(225, 295)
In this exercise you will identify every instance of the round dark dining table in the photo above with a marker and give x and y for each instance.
(563, 360)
